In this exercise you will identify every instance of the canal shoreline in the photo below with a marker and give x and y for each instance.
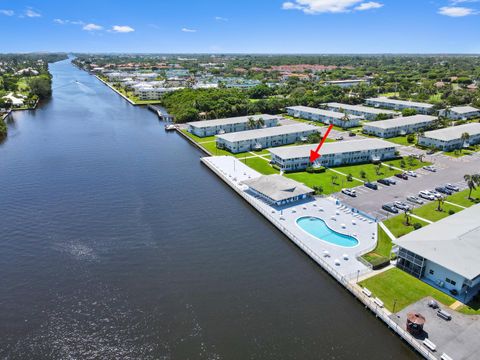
(348, 281)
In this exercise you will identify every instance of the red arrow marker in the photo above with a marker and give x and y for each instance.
(314, 155)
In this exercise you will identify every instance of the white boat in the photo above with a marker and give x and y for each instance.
(170, 127)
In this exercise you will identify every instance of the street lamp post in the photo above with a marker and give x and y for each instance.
(394, 305)
(358, 274)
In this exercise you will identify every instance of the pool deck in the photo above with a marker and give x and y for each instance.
(336, 216)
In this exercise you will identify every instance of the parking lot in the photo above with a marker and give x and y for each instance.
(457, 337)
(449, 170)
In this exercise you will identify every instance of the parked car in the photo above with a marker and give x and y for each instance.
(443, 190)
(391, 181)
(430, 168)
(436, 194)
(401, 205)
(411, 173)
(415, 200)
(402, 176)
(351, 133)
(452, 187)
(430, 152)
(384, 182)
(370, 185)
(349, 192)
(339, 138)
(390, 208)
(426, 195)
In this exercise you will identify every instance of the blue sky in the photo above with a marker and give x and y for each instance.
(246, 26)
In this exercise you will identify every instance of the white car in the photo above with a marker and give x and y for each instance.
(430, 168)
(436, 194)
(452, 187)
(349, 192)
(426, 195)
(415, 200)
(412, 173)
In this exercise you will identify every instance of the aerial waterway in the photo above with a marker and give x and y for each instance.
(118, 243)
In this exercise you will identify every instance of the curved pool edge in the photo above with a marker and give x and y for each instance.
(357, 241)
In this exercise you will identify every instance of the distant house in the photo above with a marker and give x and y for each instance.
(17, 101)
(460, 112)
(399, 126)
(384, 102)
(445, 254)
(264, 138)
(368, 113)
(450, 138)
(295, 158)
(324, 116)
(278, 190)
(228, 125)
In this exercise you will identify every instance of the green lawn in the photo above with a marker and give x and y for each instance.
(371, 171)
(383, 249)
(197, 138)
(461, 198)
(472, 308)
(430, 212)
(400, 140)
(397, 226)
(260, 165)
(395, 284)
(324, 180)
(409, 164)
(459, 153)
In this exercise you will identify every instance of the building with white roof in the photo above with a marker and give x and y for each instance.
(347, 83)
(446, 253)
(147, 92)
(399, 126)
(384, 102)
(450, 138)
(460, 112)
(324, 116)
(228, 125)
(296, 158)
(368, 113)
(16, 101)
(264, 138)
(277, 190)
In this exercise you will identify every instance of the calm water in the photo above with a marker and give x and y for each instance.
(117, 243)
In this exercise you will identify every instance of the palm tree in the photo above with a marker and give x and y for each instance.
(465, 137)
(440, 201)
(407, 218)
(251, 123)
(260, 122)
(472, 181)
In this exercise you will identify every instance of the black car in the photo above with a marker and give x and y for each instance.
(352, 134)
(370, 185)
(390, 208)
(444, 190)
(402, 176)
(384, 182)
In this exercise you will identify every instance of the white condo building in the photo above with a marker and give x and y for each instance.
(297, 158)
(460, 112)
(324, 116)
(399, 126)
(368, 113)
(445, 254)
(384, 102)
(264, 138)
(229, 125)
(450, 138)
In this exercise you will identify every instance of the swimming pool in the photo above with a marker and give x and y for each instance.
(318, 228)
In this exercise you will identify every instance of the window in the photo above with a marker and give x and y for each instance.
(431, 272)
(451, 281)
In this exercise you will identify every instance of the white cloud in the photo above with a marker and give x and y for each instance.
(7, 12)
(329, 6)
(456, 11)
(189, 30)
(219, 18)
(32, 13)
(60, 21)
(368, 6)
(66, 21)
(122, 29)
(92, 27)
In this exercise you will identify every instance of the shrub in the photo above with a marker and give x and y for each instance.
(417, 226)
(379, 262)
(411, 139)
(315, 170)
(451, 212)
(349, 177)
